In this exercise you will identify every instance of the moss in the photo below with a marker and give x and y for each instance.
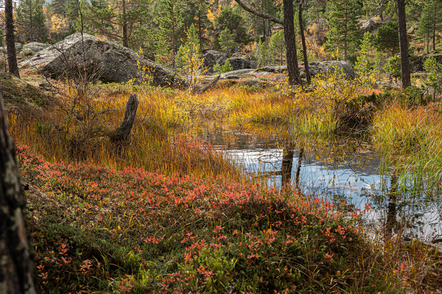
(18, 93)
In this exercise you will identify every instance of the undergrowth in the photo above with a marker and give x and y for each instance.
(99, 229)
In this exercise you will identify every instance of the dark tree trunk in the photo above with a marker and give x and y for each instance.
(403, 42)
(304, 46)
(10, 39)
(15, 254)
(290, 44)
(173, 44)
(287, 165)
(435, 20)
(298, 168)
(392, 206)
(125, 37)
(289, 37)
(122, 133)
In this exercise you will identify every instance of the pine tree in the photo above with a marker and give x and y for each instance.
(365, 60)
(195, 12)
(117, 19)
(386, 38)
(277, 47)
(264, 55)
(430, 22)
(228, 18)
(169, 21)
(31, 21)
(344, 32)
(227, 41)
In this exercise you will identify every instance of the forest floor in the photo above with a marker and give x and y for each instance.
(167, 214)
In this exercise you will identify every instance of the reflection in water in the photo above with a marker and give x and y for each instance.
(392, 206)
(298, 168)
(346, 172)
(287, 164)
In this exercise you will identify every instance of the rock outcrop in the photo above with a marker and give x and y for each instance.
(107, 61)
(370, 25)
(34, 47)
(212, 57)
(237, 61)
(316, 68)
(331, 66)
(240, 62)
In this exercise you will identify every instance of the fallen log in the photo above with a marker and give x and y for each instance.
(200, 90)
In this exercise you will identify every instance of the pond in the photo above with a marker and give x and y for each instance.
(345, 171)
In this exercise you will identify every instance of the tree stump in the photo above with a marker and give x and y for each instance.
(121, 134)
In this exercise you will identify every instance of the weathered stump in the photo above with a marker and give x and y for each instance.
(121, 134)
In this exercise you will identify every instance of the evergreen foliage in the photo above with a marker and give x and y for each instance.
(109, 18)
(229, 19)
(430, 22)
(365, 60)
(226, 67)
(31, 21)
(435, 78)
(344, 32)
(226, 41)
(169, 22)
(195, 13)
(277, 47)
(386, 38)
(264, 55)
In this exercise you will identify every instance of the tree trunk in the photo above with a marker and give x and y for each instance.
(287, 165)
(403, 42)
(125, 37)
(435, 20)
(290, 44)
(298, 168)
(173, 44)
(15, 254)
(304, 46)
(392, 206)
(289, 37)
(122, 133)
(10, 39)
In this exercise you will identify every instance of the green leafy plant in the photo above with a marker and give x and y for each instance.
(434, 69)
(226, 67)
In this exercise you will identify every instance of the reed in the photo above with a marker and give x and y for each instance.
(409, 141)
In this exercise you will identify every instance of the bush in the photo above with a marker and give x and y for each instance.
(226, 67)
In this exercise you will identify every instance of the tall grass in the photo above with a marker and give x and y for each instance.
(146, 228)
(409, 139)
(158, 141)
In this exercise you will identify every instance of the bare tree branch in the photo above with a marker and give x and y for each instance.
(260, 14)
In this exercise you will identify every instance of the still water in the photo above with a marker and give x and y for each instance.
(345, 171)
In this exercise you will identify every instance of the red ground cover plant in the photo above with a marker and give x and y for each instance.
(130, 230)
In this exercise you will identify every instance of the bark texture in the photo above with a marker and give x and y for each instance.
(289, 37)
(15, 256)
(403, 44)
(304, 46)
(290, 44)
(10, 39)
(123, 131)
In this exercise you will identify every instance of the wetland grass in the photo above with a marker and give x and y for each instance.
(168, 214)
